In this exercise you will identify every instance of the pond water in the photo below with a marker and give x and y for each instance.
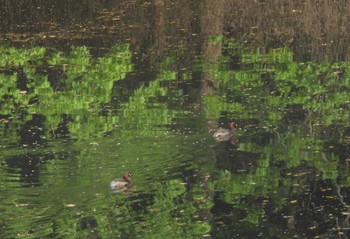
(89, 94)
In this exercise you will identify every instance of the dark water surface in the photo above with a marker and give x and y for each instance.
(89, 90)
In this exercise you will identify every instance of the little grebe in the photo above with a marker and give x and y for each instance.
(121, 184)
(224, 134)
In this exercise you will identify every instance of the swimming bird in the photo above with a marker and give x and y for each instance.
(224, 134)
(122, 184)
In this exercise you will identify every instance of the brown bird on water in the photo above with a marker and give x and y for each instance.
(224, 134)
(122, 184)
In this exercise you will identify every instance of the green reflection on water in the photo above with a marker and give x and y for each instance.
(181, 176)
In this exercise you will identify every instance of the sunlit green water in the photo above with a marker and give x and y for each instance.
(64, 138)
(73, 188)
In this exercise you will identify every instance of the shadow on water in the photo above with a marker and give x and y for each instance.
(91, 90)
